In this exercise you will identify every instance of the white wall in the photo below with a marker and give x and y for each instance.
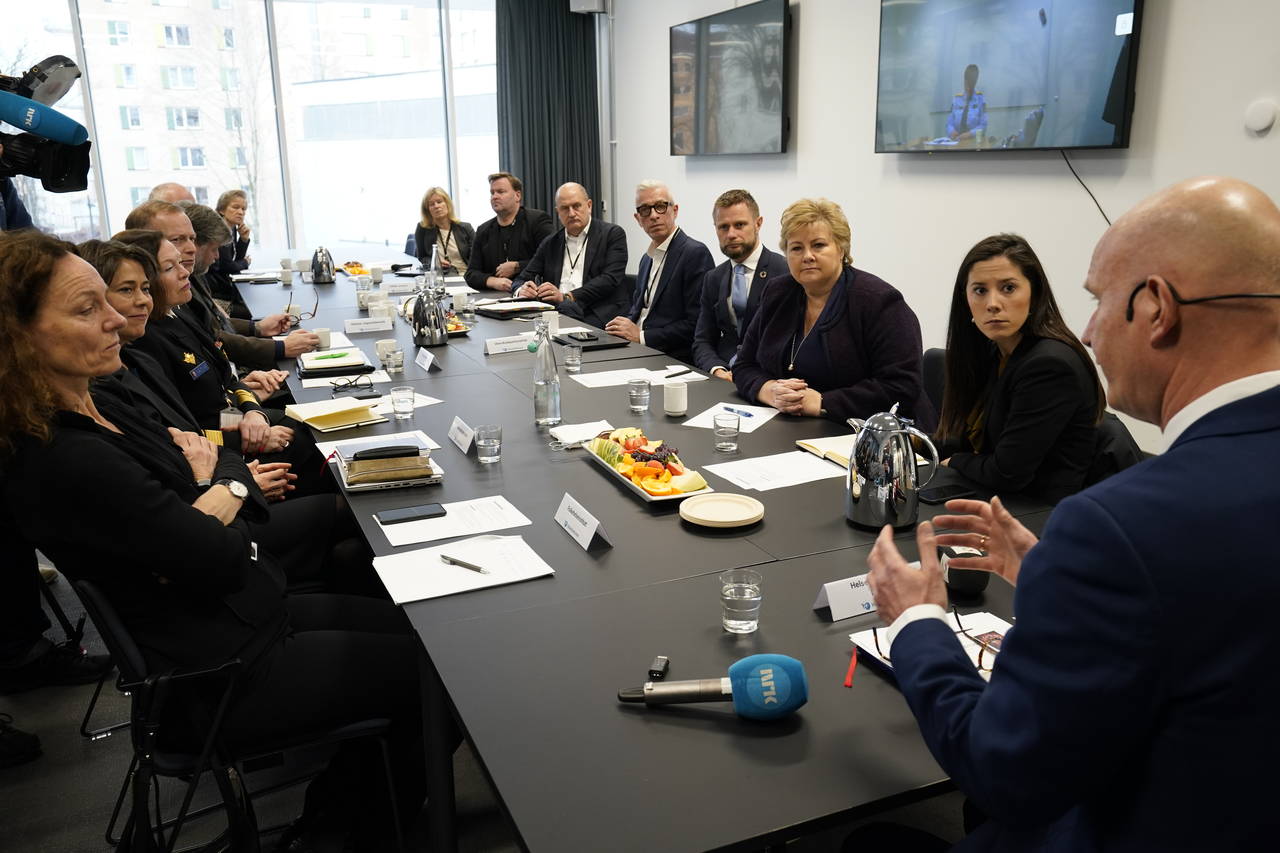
(1201, 62)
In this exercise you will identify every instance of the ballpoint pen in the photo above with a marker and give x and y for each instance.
(454, 561)
(678, 373)
(330, 355)
(742, 412)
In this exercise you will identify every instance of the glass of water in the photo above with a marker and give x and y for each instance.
(402, 401)
(488, 443)
(740, 600)
(725, 428)
(573, 359)
(638, 395)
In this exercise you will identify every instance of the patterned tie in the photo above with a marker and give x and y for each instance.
(739, 296)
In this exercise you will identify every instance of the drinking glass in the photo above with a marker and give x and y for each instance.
(402, 401)
(725, 429)
(573, 359)
(488, 443)
(740, 598)
(638, 395)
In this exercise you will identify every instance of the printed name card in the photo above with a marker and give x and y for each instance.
(398, 285)
(367, 324)
(461, 435)
(848, 597)
(581, 525)
(514, 343)
(426, 359)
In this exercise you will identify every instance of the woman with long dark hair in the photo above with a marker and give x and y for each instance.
(1022, 399)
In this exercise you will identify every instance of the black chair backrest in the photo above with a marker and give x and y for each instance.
(935, 376)
(124, 651)
(1115, 450)
(410, 246)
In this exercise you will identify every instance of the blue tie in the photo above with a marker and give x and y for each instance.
(739, 296)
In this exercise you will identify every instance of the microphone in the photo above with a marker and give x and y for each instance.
(43, 121)
(761, 687)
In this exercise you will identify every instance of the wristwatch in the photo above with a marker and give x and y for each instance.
(237, 488)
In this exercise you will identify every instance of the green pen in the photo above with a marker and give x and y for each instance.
(331, 355)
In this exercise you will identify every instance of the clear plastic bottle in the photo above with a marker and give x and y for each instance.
(546, 378)
(433, 272)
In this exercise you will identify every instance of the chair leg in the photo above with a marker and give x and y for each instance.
(105, 731)
(115, 812)
(391, 792)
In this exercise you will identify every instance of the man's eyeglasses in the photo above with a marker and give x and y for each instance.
(307, 315)
(985, 648)
(1128, 311)
(658, 207)
(352, 383)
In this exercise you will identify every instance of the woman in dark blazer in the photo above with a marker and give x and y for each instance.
(830, 340)
(1022, 399)
(160, 522)
(440, 228)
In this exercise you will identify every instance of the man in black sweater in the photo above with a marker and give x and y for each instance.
(505, 243)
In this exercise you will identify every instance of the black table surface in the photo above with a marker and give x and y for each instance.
(533, 668)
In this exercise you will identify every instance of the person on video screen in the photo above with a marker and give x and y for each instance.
(968, 109)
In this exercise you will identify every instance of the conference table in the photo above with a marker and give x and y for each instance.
(531, 670)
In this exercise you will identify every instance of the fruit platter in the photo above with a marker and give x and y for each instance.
(649, 467)
(455, 328)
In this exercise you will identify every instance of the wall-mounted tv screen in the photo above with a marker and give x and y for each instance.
(728, 82)
(988, 75)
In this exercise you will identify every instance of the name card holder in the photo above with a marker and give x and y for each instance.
(847, 597)
(583, 527)
(514, 343)
(426, 359)
(367, 324)
(461, 435)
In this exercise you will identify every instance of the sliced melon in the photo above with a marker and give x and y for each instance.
(689, 481)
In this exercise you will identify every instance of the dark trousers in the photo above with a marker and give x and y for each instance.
(347, 659)
(22, 618)
(315, 540)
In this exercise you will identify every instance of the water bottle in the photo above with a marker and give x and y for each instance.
(546, 378)
(433, 273)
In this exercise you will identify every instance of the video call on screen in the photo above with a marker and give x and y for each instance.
(997, 74)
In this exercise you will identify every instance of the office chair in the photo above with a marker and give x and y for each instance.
(155, 709)
(935, 376)
(1114, 451)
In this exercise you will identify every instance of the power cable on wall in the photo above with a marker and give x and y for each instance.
(1086, 186)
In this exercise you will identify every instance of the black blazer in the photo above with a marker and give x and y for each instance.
(602, 295)
(673, 314)
(872, 341)
(424, 238)
(530, 228)
(1039, 432)
(716, 339)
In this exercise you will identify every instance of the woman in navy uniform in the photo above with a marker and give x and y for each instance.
(968, 108)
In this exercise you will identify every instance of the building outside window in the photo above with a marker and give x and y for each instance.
(126, 77)
(178, 77)
(176, 35)
(136, 158)
(117, 32)
(130, 117)
(189, 157)
(179, 118)
(234, 117)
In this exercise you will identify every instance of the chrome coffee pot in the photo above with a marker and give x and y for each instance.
(430, 320)
(322, 267)
(880, 486)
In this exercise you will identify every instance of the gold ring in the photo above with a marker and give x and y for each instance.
(983, 543)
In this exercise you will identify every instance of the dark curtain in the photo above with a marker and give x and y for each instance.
(548, 115)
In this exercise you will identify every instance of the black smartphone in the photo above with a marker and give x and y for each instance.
(582, 336)
(409, 513)
(942, 494)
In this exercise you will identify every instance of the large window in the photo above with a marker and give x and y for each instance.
(184, 91)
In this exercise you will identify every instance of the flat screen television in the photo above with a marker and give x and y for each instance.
(992, 75)
(728, 82)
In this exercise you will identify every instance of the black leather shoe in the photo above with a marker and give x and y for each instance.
(60, 665)
(16, 746)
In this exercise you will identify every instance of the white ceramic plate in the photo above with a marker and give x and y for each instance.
(722, 509)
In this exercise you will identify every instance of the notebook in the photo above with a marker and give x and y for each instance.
(335, 414)
(837, 448)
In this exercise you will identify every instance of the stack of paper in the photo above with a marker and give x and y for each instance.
(750, 418)
(980, 628)
(418, 574)
(332, 359)
(610, 378)
(461, 518)
(776, 471)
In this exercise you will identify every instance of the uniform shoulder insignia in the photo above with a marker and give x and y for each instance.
(189, 357)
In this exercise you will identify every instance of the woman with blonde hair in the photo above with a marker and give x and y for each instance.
(830, 340)
(441, 229)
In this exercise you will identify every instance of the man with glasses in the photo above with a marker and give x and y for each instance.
(248, 343)
(1133, 705)
(664, 309)
(504, 244)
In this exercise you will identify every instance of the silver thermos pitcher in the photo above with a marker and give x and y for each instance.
(430, 320)
(880, 486)
(322, 267)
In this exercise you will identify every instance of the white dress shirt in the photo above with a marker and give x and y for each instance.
(658, 259)
(1230, 392)
(575, 259)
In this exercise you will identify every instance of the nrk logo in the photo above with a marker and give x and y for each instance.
(773, 688)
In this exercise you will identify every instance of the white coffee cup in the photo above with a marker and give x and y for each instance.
(292, 310)
(323, 335)
(362, 300)
(286, 263)
(385, 346)
(376, 274)
(286, 275)
(302, 266)
(675, 397)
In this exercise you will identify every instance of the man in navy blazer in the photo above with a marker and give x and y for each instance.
(1134, 704)
(580, 268)
(664, 309)
(731, 291)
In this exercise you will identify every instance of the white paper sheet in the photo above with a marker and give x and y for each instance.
(415, 575)
(975, 623)
(462, 518)
(384, 407)
(760, 415)
(777, 471)
(337, 340)
(327, 447)
(327, 381)
(610, 378)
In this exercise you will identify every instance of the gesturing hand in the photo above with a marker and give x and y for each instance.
(991, 529)
(896, 585)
